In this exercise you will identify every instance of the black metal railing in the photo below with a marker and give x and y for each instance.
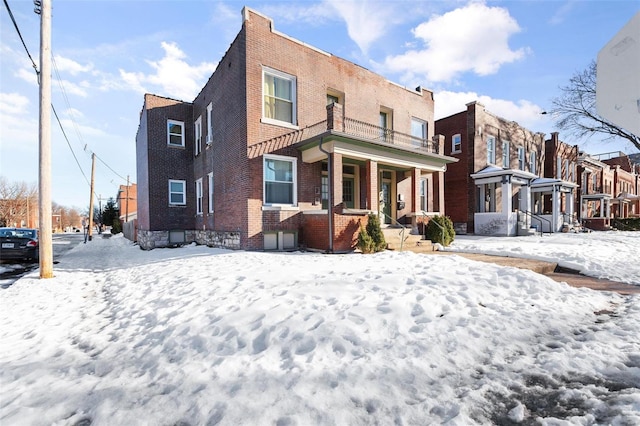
(375, 133)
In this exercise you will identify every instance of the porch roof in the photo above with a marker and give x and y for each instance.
(380, 150)
(548, 184)
(495, 174)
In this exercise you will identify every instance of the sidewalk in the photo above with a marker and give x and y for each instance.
(549, 269)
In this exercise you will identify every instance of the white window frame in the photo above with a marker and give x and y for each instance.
(293, 81)
(419, 140)
(424, 194)
(198, 136)
(294, 182)
(169, 134)
(210, 175)
(491, 150)
(506, 155)
(558, 167)
(568, 170)
(199, 196)
(210, 123)
(456, 143)
(183, 192)
(521, 160)
(532, 162)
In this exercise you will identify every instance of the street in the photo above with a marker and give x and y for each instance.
(11, 271)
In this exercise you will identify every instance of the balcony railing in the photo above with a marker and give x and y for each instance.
(350, 127)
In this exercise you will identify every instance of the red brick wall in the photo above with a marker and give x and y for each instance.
(315, 235)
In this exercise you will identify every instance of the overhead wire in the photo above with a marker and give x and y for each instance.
(64, 94)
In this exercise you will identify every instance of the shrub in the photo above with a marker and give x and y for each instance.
(371, 238)
(443, 234)
(116, 227)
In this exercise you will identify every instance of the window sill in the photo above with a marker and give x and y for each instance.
(458, 151)
(268, 207)
(175, 146)
(177, 205)
(279, 123)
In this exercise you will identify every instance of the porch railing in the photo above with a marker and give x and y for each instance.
(538, 218)
(365, 130)
(402, 228)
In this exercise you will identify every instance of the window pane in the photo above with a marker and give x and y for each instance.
(279, 193)
(418, 129)
(278, 170)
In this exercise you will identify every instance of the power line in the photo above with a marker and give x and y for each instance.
(64, 94)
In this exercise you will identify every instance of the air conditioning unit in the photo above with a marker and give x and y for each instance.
(209, 139)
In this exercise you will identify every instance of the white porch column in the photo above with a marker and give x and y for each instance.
(555, 204)
(608, 208)
(570, 204)
(506, 196)
(481, 198)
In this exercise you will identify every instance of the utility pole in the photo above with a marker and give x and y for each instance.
(44, 179)
(93, 169)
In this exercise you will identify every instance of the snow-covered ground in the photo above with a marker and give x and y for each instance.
(200, 336)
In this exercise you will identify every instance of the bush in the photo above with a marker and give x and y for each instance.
(435, 233)
(371, 238)
(116, 228)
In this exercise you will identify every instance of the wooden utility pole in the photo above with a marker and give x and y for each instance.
(44, 181)
(93, 170)
(126, 204)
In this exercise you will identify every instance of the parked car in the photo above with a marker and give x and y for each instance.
(19, 243)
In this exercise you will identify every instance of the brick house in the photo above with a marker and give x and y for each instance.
(509, 179)
(595, 192)
(285, 146)
(626, 201)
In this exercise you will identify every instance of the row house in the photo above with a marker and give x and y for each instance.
(286, 146)
(499, 185)
(626, 179)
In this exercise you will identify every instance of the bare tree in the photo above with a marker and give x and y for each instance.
(18, 203)
(575, 110)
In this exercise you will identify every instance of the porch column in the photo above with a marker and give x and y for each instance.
(415, 190)
(482, 202)
(438, 192)
(506, 196)
(372, 186)
(570, 204)
(336, 179)
(555, 211)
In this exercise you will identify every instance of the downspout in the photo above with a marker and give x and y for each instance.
(329, 194)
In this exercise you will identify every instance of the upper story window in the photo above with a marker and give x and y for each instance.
(521, 157)
(177, 192)
(418, 132)
(197, 127)
(386, 125)
(424, 194)
(532, 162)
(332, 99)
(209, 123)
(491, 150)
(175, 133)
(505, 154)
(199, 196)
(456, 144)
(279, 97)
(558, 167)
(595, 183)
(280, 180)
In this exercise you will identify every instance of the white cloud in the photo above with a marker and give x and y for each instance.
(523, 112)
(367, 20)
(473, 38)
(13, 103)
(63, 64)
(173, 75)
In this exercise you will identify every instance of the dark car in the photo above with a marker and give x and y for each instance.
(19, 243)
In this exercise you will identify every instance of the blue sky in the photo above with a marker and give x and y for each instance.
(510, 55)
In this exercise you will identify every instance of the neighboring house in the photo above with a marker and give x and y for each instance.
(595, 192)
(626, 201)
(285, 146)
(490, 184)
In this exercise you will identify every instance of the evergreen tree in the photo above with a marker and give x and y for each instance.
(111, 216)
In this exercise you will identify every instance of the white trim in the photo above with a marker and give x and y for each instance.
(184, 192)
(210, 189)
(181, 124)
(210, 123)
(199, 197)
(294, 103)
(197, 129)
(453, 144)
(294, 182)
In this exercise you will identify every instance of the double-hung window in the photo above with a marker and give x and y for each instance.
(456, 144)
(210, 192)
(177, 192)
(209, 123)
(280, 180)
(279, 97)
(199, 196)
(521, 157)
(424, 194)
(418, 132)
(175, 133)
(491, 150)
(198, 136)
(505, 154)
(532, 162)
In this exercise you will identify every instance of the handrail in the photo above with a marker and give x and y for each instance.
(401, 233)
(424, 215)
(538, 218)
